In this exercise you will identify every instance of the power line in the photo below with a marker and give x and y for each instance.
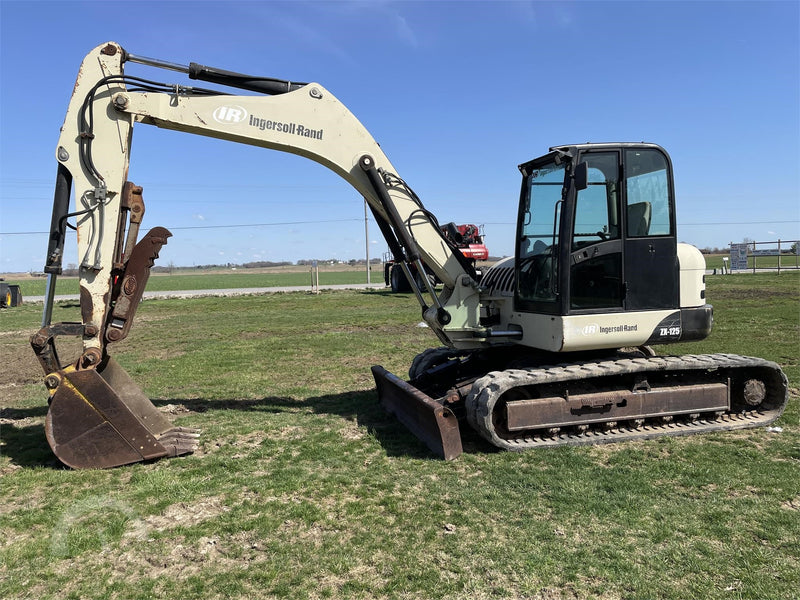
(280, 224)
(209, 226)
(719, 223)
(744, 223)
(263, 224)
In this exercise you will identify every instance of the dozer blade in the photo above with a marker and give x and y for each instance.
(430, 421)
(100, 419)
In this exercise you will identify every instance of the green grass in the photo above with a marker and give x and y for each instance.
(304, 488)
(297, 276)
(788, 261)
(214, 280)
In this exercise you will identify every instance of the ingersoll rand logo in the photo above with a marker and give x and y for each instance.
(229, 114)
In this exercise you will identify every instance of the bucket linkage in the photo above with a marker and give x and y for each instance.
(98, 417)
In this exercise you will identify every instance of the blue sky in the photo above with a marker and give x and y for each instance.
(457, 94)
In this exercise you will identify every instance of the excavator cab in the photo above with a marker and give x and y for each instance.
(596, 233)
(594, 224)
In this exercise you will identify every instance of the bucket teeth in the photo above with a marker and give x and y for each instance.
(180, 440)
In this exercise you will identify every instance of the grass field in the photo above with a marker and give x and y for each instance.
(217, 279)
(303, 488)
(787, 261)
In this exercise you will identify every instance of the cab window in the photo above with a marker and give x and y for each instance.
(596, 252)
(646, 181)
(538, 239)
(596, 208)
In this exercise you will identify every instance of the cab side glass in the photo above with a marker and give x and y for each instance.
(648, 194)
(537, 268)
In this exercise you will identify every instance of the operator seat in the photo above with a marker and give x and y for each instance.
(639, 219)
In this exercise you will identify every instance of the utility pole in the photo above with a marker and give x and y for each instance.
(366, 238)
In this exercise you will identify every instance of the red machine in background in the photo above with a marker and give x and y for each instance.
(467, 238)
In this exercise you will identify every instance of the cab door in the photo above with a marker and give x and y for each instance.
(596, 248)
(650, 248)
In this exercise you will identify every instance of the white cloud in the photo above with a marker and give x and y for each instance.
(404, 31)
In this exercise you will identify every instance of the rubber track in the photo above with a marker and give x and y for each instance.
(429, 358)
(487, 390)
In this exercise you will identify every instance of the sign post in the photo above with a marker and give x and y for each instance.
(739, 257)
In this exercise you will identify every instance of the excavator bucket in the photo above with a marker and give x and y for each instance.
(99, 418)
(429, 420)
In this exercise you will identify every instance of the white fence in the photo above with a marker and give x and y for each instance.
(778, 255)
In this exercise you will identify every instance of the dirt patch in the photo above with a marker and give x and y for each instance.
(187, 513)
(247, 442)
(183, 559)
(793, 504)
(33, 500)
(251, 440)
(757, 294)
(288, 433)
(20, 366)
(177, 557)
(311, 534)
(351, 430)
(176, 409)
(161, 354)
(243, 443)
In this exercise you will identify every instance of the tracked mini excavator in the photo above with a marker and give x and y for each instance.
(550, 347)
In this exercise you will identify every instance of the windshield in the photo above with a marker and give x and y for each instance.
(538, 235)
(538, 219)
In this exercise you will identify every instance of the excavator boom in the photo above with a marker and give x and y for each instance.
(98, 416)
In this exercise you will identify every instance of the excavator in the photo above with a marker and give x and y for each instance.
(549, 347)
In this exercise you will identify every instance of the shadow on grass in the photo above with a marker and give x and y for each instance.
(17, 414)
(361, 407)
(26, 445)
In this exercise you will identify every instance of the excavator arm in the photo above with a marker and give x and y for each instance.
(93, 401)
(304, 119)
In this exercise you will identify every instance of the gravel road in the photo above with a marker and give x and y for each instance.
(230, 291)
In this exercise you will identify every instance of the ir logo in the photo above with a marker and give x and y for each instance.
(590, 329)
(230, 114)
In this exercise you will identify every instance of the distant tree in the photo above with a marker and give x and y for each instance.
(258, 264)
